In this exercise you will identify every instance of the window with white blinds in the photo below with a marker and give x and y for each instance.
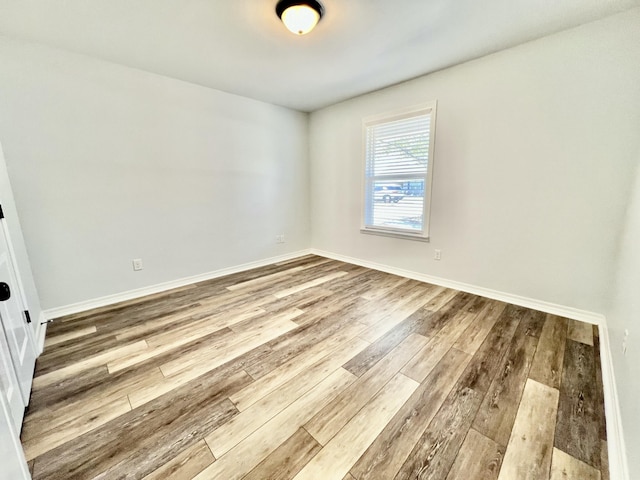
(398, 164)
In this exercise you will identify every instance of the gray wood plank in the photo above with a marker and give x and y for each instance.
(186, 464)
(337, 456)
(580, 332)
(479, 458)
(428, 323)
(475, 334)
(566, 467)
(531, 321)
(288, 459)
(602, 420)
(387, 453)
(436, 450)
(484, 364)
(604, 460)
(578, 424)
(327, 422)
(547, 364)
(159, 430)
(528, 455)
(371, 355)
(498, 411)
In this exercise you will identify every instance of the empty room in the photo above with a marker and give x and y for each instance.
(320, 240)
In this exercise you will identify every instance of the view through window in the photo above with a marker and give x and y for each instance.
(398, 158)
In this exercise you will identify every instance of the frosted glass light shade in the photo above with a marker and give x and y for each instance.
(299, 16)
(300, 19)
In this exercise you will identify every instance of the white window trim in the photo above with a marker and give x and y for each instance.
(423, 236)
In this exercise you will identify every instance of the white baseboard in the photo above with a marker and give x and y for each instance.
(547, 307)
(569, 312)
(57, 312)
(618, 466)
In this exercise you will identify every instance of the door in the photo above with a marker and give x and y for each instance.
(12, 461)
(14, 324)
(9, 390)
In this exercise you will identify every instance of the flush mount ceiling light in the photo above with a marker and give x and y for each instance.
(299, 16)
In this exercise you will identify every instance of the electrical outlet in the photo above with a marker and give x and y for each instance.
(280, 238)
(437, 255)
(137, 264)
(624, 341)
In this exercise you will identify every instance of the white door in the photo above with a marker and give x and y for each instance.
(16, 329)
(9, 385)
(9, 389)
(12, 462)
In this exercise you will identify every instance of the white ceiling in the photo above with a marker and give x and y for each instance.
(240, 46)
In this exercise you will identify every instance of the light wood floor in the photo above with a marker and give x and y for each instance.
(317, 369)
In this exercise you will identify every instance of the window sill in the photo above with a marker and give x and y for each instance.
(385, 233)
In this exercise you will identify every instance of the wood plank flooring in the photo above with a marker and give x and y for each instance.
(317, 369)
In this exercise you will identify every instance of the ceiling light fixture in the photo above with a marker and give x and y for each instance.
(300, 16)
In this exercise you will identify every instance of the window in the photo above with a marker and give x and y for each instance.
(398, 164)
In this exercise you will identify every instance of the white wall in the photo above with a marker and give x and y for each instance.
(533, 157)
(624, 313)
(110, 163)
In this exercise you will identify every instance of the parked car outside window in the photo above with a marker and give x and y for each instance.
(388, 193)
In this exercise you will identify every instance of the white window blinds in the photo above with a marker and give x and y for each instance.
(398, 158)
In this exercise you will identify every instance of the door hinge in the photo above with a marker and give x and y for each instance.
(1, 213)
(27, 316)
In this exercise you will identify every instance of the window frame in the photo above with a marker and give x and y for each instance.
(387, 117)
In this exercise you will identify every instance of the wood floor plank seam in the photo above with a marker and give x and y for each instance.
(48, 440)
(58, 339)
(435, 451)
(98, 359)
(387, 454)
(265, 385)
(528, 454)
(325, 424)
(277, 400)
(473, 464)
(336, 458)
(493, 420)
(262, 442)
